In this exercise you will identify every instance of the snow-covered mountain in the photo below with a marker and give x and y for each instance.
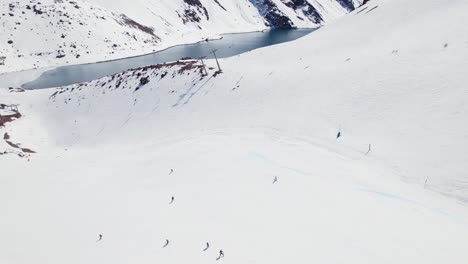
(57, 32)
(106, 157)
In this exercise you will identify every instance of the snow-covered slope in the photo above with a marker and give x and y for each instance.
(50, 32)
(392, 74)
(57, 32)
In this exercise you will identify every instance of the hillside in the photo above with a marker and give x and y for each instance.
(111, 154)
(51, 32)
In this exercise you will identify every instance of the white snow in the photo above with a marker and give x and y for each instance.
(394, 77)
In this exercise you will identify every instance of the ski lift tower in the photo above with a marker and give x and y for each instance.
(217, 62)
(204, 66)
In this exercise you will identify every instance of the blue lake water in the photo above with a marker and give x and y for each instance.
(229, 45)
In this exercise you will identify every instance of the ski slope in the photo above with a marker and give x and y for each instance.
(391, 74)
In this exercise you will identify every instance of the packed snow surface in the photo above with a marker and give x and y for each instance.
(111, 154)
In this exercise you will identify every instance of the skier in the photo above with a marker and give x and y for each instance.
(167, 243)
(207, 246)
(172, 170)
(172, 200)
(100, 238)
(338, 135)
(275, 180)
(369, 150)
(221, 255)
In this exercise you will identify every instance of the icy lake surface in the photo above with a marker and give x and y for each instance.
(229, 45)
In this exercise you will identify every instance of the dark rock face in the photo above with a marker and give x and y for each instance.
(190, 15)
(124, 20)
(220, 5)
(144, 80)
(10, 117)
(347, 4)
(193, 11)
(309, 11)
(273, 16)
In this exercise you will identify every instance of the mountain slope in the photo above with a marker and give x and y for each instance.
(110, 154)
(39, 33)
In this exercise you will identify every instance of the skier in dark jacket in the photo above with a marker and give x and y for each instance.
(167, 243)
(221, 255)
(207, 246)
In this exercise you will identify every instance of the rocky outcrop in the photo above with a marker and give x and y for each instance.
(347, 4)
(193, 10)
(276, 14)
(273, 16)
(306, 8)
(8, 114)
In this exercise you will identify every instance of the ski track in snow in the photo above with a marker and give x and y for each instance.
(391, 196)
(260, 157)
